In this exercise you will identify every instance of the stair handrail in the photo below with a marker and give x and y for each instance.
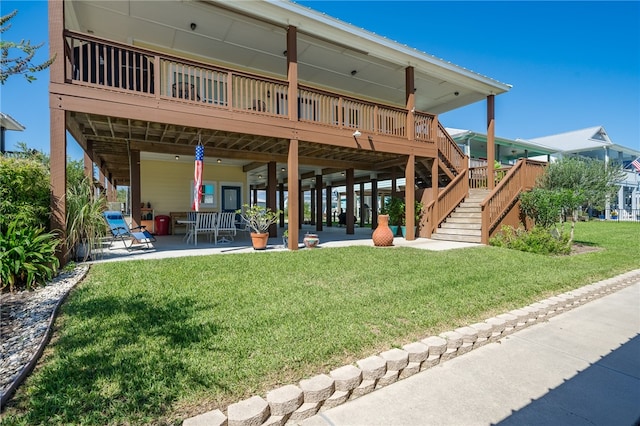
(519, 178)
(450, 150)
(448, 199)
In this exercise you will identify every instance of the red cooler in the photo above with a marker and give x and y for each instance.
(162, 225)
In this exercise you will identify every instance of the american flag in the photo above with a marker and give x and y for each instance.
(636, 164)
(197, 177)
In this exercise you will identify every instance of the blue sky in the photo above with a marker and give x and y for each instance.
(572, 64)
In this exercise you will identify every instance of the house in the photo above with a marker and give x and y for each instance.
(7, 123)
(592, 142)
(283, 99)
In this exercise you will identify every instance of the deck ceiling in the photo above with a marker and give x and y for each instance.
(111, 139)
(251, 35)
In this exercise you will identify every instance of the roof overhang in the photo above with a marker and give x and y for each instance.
(9, 123)
(251, 35)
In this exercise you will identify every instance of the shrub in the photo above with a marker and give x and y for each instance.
(539, 240)
(85, 223)
(24, 192)
(27, 256)
(542, 205)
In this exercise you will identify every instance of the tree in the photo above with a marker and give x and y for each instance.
(25, 51)
(569, 185)
(596, 180)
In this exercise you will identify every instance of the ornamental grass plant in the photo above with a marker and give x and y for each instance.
(154, 342)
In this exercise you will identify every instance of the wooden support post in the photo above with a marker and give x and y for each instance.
(319, 209)
(281, 203)
(301, 203)
(374, 203)
(136, 198)
(294, 192)
(436, 191)
(312, 207)
(410, 91)
(362, 203)
(272, 181)
(58, 177)
(292, 72)
(490, 141)
(329, 202)
(410, 198)
(350, 202)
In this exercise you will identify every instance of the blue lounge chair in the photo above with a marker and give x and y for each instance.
(120, 230)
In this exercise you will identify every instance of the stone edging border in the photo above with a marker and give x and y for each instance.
(290, 404)
(28, 368)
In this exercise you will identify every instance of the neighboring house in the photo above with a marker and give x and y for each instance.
(7, 123)
(507, 151)
(283, 98)
(592, 142)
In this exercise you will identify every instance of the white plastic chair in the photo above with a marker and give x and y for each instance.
(205, 224)
(191, 226)
(226, 227)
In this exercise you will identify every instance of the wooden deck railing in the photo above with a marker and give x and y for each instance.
(97, 62)
(519, 178)
(478, 176)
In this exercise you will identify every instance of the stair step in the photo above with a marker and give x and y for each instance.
(468, 208)
(463, 221)
(459, 225)
(466, 214)
(454, 231)
(458, 238)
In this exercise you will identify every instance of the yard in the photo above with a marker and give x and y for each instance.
(159, 341)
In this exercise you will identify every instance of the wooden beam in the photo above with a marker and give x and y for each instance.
(410, 198)
(252, 166)
(293, 191)
(272, 182)
(329, 201)
(350, 203)
(491, 150)
(292, 72)
(136, 196)
(318, 203)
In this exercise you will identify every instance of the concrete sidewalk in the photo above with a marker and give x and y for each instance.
(581, 367)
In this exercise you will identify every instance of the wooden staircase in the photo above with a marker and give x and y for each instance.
(465, 223)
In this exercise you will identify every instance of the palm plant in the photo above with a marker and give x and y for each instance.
(85, 224)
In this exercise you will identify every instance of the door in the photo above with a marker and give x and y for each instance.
(230, 198)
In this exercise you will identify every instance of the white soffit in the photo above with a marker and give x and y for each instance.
(312, 22)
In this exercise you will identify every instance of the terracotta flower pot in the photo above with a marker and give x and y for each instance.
(259, 241)
(311, 240)
(382, 236)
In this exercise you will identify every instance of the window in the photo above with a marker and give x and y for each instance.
(208, 194)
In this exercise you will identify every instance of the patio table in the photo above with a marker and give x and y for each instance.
(190, 227)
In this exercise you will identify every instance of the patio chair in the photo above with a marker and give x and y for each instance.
(205, 224)
(226, 227)
(120, 230)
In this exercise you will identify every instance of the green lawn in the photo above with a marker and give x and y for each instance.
(158, 341)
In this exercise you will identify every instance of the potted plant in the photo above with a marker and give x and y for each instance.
(394, 207)
(285, 238)
(418, 214)
(85, 224)
(614, 214)
(259, 219)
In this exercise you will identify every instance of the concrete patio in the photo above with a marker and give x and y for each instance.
(167, 246)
